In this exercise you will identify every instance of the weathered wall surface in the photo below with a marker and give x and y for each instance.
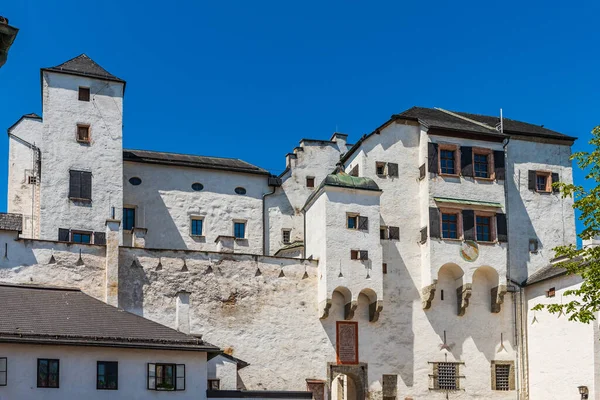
(61, 152)
(77, 372)
(165, 204)
(531, 215)
(560, 350)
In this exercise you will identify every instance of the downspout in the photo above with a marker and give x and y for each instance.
(264, 224)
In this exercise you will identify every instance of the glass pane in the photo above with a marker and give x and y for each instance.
(2, 378)
(180, 370)
(2, 364)
(180, 383)
(53, 380)
(151, 369)
(53, 367)
(151, 383)
(101, 382)
(101, 369)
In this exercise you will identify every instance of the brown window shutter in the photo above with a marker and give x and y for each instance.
(499, 165)
(501, 227)
(75, 184)
(392, 169)
(532, 177)
(354, 254)
(86, 185)
(393, 233)
(363, 223)
(555, 179)
(424, 234)
(63, 235)
(432, 156)
(99, 238)
(84, 94)
(364, 255)
(422, 172)
(468, 224)
(434, 222)
(466, 161)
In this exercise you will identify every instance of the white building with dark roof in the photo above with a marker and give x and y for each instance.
(398, 267)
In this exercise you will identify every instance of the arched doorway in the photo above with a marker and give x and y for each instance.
(347, 382)
(343, 388)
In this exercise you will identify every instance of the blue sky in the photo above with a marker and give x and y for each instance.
(250, 79)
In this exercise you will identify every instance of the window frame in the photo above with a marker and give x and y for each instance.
(352, 216)
(382, 165)
(459, 223)
(434, 376)
(48, 360)
(195, 218)
(116, 364)
(89, 93)
(449, 147)
(82, 175)
(384, 234)
(125, 218)
(287, 231)
(493, 234)
(175, 376)
(5, 371)
(491, 174)
(245, 224)
(511, 375)
(74, 232)
(88, 140)
(212, 380)
(548, 176)
(310, 182)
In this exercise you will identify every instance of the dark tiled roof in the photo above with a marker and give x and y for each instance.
(545, 273)
(36, 314)
(436, 118)
(341, 179)
(82, 65)
(11, 222)
(187, 160)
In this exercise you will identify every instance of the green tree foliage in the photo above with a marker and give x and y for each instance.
(584, 262)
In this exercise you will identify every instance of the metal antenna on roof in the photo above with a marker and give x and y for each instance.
(501, 122)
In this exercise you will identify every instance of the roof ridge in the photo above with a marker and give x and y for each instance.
(193, 155)
(466, 119)
(40, 287)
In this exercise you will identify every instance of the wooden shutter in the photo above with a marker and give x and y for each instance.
(501, 227)
(466, 161)
(151, 377)
(180, 377)
(393, 233)
(532, 177)
(555, 179)
(434, 222)
(392, 169)
(63, 235)
(499, 165)
(364, 255)
(424, 234)
(75, 184)
(363, 223)
(86, 185)
(432, 156)
(354, 254)
(99, 238)
(468, 224)
(422, 172)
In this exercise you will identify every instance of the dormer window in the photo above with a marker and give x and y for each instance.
(83, 133)
(84, 94)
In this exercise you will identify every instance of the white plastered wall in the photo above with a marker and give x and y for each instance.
(225, 370)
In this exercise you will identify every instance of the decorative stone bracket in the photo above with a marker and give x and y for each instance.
(463, 294)
(497, 294)
(375, 309)
(324, 307)
(349, 310)
(427, 295)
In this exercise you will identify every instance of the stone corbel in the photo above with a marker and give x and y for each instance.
(349, 310)
(497, 294)
(374, 310)
(463, 293)
(427, 294)
(324, 307)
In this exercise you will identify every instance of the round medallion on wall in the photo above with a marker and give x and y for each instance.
(469, 250)
(135, 181)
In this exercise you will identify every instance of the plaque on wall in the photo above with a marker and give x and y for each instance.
(346, 341)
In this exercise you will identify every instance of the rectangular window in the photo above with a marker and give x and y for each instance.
(384, 268)
(83, 133)
(214, 384)
(551, 292)
(502, 376)
(380, 168)
(533, 245)
(352, 221)
(286, 235)
(107, 375)
(80, 185)
(3, 370)
(310, 181)
(81, 237)
(239, 230)
(481, 165)
(447, 162)
(445, 376)
(47, 373)
(197, 226)
(32, 180)
(364, 255)
(128, 219)
(484, 229)
(84, 94)
(450, 226)
(354, 254)
(383, 233)
(543, 182)
(166, 376)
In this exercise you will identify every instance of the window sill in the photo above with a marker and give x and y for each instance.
(86, 142)
(452, 239)
(449, 175)
(491, 179)
(487, 243)
(80, 199)
(197, 236)
(240, 239)
(543, 191)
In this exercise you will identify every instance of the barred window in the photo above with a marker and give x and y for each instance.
(445, 376)
(502, 376)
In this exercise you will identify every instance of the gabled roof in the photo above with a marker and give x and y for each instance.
(50, 315)
(82, 65)
(341, 179)
(26, 116)
(548, 272)
(11, 222)
(188, 160)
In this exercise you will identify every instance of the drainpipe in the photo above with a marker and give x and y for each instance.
(264, 216)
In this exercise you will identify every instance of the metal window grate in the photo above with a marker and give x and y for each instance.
(502, 377)
(446, 378)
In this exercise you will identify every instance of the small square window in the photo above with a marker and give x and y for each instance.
(354, 254)
(3, 370)
(32, 180)
(543, 182)
(197, 226)
(380, 168)
(128, 219)
(81, 237)
(383, 233)
(107, 375)
(445, 376)
(503, 375)
(352, 221)
(551, 292)
(533, 245)
(166, 377)
(83, 133)
(286, 236)
(214, 384)
(239, 230)
(84, 94)
(47, 373)
(310, 182)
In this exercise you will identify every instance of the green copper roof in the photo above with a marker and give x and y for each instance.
(468, 202)
(343, 180)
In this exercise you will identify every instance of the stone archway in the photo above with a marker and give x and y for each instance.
(347, 382)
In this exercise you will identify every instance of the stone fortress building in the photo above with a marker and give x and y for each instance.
(401, 267)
